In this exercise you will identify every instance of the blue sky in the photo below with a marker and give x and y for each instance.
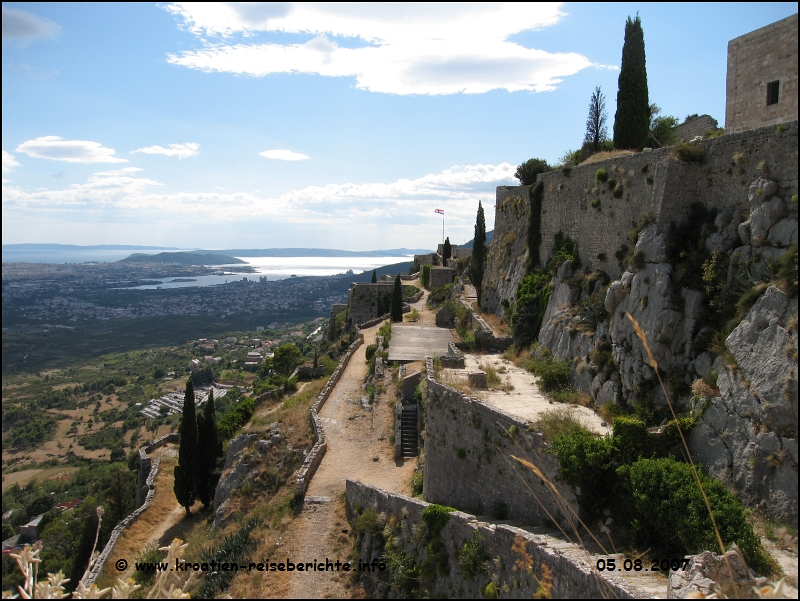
(345, 126)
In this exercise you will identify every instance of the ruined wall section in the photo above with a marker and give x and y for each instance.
(368, 301)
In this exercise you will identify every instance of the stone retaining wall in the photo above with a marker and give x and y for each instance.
(149, 484)
(469, 465)
(572, 577)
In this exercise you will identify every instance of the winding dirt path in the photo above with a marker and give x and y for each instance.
(358, 447)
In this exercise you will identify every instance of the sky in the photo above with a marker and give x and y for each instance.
(267, 125)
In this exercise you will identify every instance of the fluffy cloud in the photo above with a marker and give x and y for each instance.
(404, 49)
(56, 148)
(23, 27)
(181, 151)
(457, 190)
(284, 155)
(126, 171)
(9, 162)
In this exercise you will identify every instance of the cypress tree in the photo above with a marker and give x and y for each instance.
(397, 300)
(478, 260)
(185, 486)
(447, 251)
(632, 119)
(374, 277)
(210, 450)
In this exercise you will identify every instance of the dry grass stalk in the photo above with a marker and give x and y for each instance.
(545, 590)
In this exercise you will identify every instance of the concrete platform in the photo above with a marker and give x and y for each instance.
(413, 343)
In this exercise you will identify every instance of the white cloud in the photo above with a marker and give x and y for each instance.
(182, 151)
(404, 201)
(284, 155)
(124, 171)
(9, 162)
(406, 49)
(23, 27)
(56, 148)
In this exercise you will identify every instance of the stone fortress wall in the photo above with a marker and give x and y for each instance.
(573, 577)
(754, 60)
(469, 464)
(654, 182)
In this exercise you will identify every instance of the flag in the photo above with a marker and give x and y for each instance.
(440, 211)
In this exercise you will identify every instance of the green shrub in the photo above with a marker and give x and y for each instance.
(386, 331)
(435, 517)
(564, 249)
(670, 515)
(472, 556)
(416, 483)
(368, 522)
(649, 180)
(691, 153)
(553, 375)
(596, 203)
(425, 277)
(461, 454)
(528, 171)
(533, 294)
(370, 351)
(601, 175)
(611, 183)
(618, 191)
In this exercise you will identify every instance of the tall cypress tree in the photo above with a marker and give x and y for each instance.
(478, 260)
(210, 450)
(374, 277)
(397, 300)
(186, 471)
(632, 119)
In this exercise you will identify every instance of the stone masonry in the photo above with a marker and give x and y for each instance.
(653, 182)
(755, 59)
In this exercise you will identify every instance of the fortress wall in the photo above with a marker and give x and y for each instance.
(368, 301)
(653, 182)
(468, 463)
(571, 576)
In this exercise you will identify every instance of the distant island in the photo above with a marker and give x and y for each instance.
(183, 258)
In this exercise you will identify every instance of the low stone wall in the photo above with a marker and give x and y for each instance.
(373, 322)
(97, 568)
(145, 462)
(414, 298)
(469, 465)
(571, 577)
(410, 277)
(454, 358)
(484, 335)
(314, 458)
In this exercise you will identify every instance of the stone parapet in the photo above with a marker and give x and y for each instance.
(571, 575)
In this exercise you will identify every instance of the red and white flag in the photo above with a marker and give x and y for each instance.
(440, 211)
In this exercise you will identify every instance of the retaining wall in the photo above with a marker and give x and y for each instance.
(469, 464)
(572, 577)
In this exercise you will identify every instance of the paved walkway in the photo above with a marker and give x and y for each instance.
(412, 342)
(358, 448)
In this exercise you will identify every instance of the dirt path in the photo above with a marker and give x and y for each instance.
(359, 448)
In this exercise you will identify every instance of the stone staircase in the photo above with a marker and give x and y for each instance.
(408, 430)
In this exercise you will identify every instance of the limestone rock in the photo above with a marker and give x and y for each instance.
(761, 189)
(607, 394)
(653, 244)
(614, 295)
(727, 576)
(744, 232)
(727, 234)
(763, 217)
(783, 233)
(702, 365)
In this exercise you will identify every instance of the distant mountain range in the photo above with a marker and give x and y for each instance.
(489, 238)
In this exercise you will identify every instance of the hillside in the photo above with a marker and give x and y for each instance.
(184, 258)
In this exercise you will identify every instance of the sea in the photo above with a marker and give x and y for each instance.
(273, 268)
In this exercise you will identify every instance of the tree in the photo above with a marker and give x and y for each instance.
(447, 251)
(632, 119)
(185, 486)
(286, 358)
(397, 300)
(596, 132)
(529, 170)
(662, 129)
(478, 260)
(374, 277)
(210, 450)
